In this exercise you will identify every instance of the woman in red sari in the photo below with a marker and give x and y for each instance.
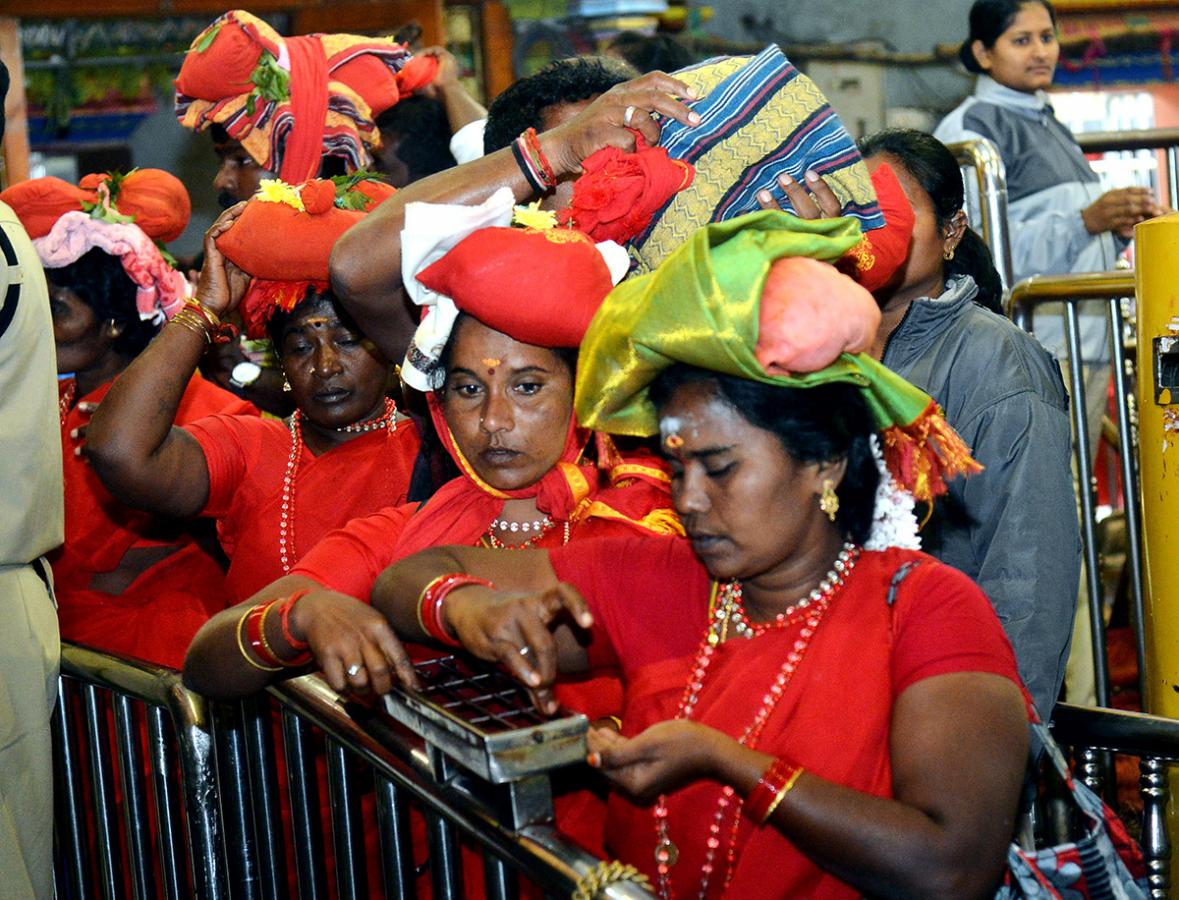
(810, 710)
(275, 488)
(126, 581)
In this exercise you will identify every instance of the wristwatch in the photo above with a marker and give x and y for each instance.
(244, 374)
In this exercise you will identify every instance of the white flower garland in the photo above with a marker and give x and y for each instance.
(894, 523)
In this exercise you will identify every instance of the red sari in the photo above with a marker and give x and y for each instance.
(615, 497)
(156, 615)
(834, 718)
(248, 460)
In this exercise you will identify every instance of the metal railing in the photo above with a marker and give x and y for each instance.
(1166, 139)
(1070, 290)
(208, 795)
(982, 168)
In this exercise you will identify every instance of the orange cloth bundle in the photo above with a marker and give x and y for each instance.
(284, 238)
(539, 286)
(156, 201)
(292, 101)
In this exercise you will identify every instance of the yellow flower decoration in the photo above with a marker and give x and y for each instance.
(532, 216)
(271, 190)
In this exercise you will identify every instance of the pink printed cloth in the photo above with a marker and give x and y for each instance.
(161, 288)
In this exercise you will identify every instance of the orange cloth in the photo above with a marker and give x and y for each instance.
(565, 280)
(284, 269)
(292, 101)
(156, 616)
(156, 200)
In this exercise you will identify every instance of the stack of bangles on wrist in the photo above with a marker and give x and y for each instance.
(775, 783)
(195, 316)
(430, 604)
(253, 625)
(533, 163)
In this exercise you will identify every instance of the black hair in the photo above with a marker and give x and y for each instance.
(988, 20)
(652, 52)
(281, 320)
(329, 166)
(424, 130)
(567, 355)
(101, 283)
(819, 424)
(933, 167)
(564, 81)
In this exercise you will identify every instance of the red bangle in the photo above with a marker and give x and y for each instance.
(256, 639)
(774, 784)
(431, 600)
(284, 619)
(539, 159)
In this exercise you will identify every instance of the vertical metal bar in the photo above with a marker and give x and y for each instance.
(259, 740)
(233, 784)
(304, 797)
(135, 814)
(1173, 175)
(446, 874)
(1084, 482)
(202, 819)
(71, 843)
(347, 835)
(103, 793)
(396, 840)
(499, 879)
(1156, 841)
(1128, 455)
(162, 758)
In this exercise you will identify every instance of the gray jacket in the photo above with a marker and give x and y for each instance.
(1012, 528)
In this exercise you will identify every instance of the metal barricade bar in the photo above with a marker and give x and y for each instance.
(1070, 290)
(981, 157)
(222, 760)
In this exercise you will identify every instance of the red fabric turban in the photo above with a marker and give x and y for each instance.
(538, 286)
(881, 252)
(292, 101)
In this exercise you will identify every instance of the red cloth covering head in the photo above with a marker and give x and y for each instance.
(292, 101)
(809, 314)
(155, 200)
(539, 286)
(284, 237)
(880, 254)
(619, 192)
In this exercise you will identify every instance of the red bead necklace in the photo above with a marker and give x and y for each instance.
(809, 612)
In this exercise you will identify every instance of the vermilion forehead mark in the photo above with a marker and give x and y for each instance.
(492, 364)
(316, 322)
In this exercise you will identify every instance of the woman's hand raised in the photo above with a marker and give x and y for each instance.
(611, 119)
(814, 200)
(221, 285)
(353, 644)
(515, 631)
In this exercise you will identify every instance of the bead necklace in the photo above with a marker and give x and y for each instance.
(729, 612)
(387, 418)
(515, 527)
(809, 612)
(66, 401)
(496, 544)
(286, 520)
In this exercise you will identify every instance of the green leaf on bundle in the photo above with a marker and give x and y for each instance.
(207, 41)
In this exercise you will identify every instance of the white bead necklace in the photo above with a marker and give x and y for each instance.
(522, 527)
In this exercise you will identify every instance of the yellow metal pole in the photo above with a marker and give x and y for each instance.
(1157, 249)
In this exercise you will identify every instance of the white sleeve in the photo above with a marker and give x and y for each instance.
(466, 144)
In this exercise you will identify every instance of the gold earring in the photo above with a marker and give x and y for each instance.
(829, 500)
(286, 385)
(947, 255)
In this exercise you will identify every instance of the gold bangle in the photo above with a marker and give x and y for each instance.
(242, 647)
(262, 631)
(617, 722)
(786, 788)
(200, 304)
(422, 596)
(194, 323)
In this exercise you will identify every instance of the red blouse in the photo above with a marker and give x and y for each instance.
(155, 616)
(247, 462)
(833, 719)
